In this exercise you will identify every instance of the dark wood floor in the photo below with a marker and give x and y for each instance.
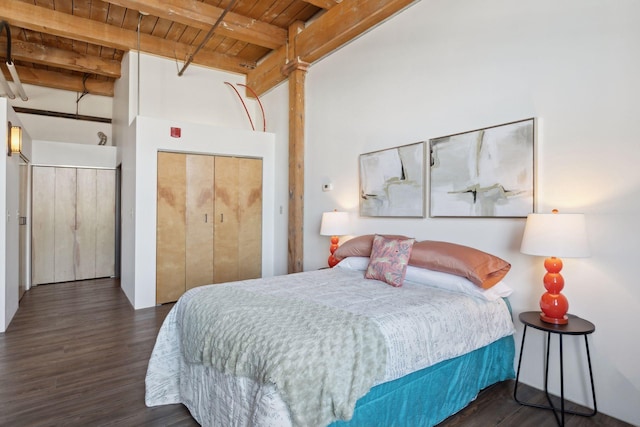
(76, 355)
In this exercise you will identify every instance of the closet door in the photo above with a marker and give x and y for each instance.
(64, 224)
(105, 222)
(42, 225)
(170, 227)
(86, 224)
(250, 218)
(199, 220)
(226, 244)
(238, 228)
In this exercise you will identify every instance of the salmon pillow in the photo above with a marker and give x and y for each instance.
(482, 269)
(359, 246)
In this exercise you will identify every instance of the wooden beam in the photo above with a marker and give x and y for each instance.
(268, 73)
(324, 4)
(60, 24)
(297, 77)
(59, 58)
(336, 27)
(203, 16)
(62, 81)
(342, 24)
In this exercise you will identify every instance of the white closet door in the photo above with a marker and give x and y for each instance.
(42, 225)
(84, 256)
(105, 221)
(64, 224)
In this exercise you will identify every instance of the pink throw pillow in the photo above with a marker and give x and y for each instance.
(389, 259)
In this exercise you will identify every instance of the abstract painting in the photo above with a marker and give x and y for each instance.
(483, 173)
(392, 182)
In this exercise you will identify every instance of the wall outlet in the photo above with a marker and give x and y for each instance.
(327, 187)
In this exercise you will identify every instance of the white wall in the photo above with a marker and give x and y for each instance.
(51, 153)
(276, 105)
(152, 135)
(63, 129)
(213, 121)
(448, 66)
(200, 95)
(9, 206)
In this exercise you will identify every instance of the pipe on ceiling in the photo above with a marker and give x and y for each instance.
(12, 69)
(207, 37)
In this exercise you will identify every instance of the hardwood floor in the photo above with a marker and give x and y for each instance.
(76, 354)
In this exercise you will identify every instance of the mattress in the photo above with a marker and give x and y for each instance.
(422, 326)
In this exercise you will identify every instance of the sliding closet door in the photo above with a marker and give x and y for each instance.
(42, 225)
(226, 244)
(105, 222)
(85, 245)
(250, 218)
(73, 225)
(199, 219)
(238, 226)
(170, 227)
(64, 224)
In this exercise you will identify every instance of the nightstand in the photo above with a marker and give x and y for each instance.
(576, 326)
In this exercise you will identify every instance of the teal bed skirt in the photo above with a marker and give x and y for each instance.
(427, 397)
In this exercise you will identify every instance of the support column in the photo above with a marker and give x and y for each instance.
(296, 70)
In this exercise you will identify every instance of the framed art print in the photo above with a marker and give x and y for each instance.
(483, 173)
(392, 182)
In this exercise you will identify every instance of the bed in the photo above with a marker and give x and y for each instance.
(337, 346)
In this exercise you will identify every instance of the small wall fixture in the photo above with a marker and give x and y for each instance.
(15, 140)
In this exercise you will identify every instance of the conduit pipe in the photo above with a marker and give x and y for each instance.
(12, 69)
(207, 37)
(16, 81)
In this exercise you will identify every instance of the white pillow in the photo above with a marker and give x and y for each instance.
(437, 279)
(455, 283)
(358, 263)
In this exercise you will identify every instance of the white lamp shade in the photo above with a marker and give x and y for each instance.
(555, 235)
(334, 224)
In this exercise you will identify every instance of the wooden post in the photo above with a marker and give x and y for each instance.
(296, 70)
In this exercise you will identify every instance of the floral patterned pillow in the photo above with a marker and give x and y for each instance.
(389, 259)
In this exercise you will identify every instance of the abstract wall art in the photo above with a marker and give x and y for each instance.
(483, 173)
(392, 182)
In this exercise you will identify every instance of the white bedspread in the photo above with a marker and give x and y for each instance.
(421, 325)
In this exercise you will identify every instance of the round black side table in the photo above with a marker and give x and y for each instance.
(576, 326)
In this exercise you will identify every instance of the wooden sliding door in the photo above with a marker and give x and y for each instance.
(209, 227)
(170, 227)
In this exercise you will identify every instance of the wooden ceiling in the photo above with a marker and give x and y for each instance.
(78, 45)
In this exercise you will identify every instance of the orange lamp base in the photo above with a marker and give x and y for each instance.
(553, 304)
(334, 245)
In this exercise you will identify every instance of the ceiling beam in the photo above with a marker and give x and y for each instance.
(203, 16)
(343, 23)
(52, 79)
(324, 4)
(61, 24)
(336, 27)
(59, 58)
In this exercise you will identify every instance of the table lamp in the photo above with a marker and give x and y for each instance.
(555, 235)
(334, 224)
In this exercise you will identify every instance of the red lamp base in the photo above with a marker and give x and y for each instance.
(332, 261)
(553, 304)
(556, 321)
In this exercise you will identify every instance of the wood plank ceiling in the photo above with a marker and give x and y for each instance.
(78, 45)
